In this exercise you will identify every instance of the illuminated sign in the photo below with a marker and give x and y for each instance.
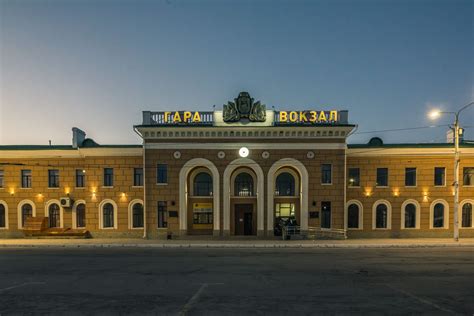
(182, 117)
(306, 117)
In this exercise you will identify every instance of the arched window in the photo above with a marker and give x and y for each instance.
(81, 215)
(108, 215)
(203, 184)
(438, 215)
(54, 215)
(285, 184)
(243, 185)
(467, 215)
(137, 215)
(353, 216)
(3, 216)
(26, 211)
(410, 215)
(381, 216)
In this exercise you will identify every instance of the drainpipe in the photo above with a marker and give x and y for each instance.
(144, 185)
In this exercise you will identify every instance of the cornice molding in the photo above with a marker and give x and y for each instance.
(248, 132)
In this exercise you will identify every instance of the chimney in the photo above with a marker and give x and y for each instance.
(78, 137)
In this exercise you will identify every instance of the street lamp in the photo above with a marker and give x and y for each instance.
(434, 115)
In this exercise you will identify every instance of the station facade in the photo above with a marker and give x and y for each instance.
(238, 171)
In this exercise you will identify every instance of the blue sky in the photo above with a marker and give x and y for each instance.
(98, 64)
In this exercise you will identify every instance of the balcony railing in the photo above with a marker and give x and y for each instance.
(167, 118)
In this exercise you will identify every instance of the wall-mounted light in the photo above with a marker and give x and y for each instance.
(396, 193)
(12, 192)
(368, 192)
(425, 197)
(39, 196)
(243, 152)
(314, 203)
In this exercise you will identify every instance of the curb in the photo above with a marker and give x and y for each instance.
(241, 246)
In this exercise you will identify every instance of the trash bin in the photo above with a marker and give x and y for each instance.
(169, 236)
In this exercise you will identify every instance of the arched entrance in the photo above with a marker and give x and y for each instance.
(293, 200)
(243, 202)
(198, 169)
(233, 170)
(200, 202)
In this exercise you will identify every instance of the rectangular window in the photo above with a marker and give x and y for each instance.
(410, 177)
(53, 178)
(325, 214)
(162, 173)
(80, 178)
(162, 214)
(202, 213)
(439, 176)
(284, 210)
(138, 177)
(326, 173)
(1, 178)
(354, 177)
(26, 178)
(108, 177)
(468, 176)
(382, 177)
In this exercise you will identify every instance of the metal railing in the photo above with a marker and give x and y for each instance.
(167, 118)
(313, 233)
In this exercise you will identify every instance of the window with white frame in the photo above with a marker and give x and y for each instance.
(81, 215)
(382, 216)
(353, 216)
(137, 215)
(468, 176)
(382, 177)
(410, 177)
(326, 174)
(438, 215)
(353, 177)
(26, 211)
(410, 215)
(285, 184)
(202, 184)
(243, 185)
(3, 216)
(108, 215)
(439, 176)
(466, 217)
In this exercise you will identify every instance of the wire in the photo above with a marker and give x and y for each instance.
(400, 129)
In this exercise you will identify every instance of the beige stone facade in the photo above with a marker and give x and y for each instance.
(197, 181)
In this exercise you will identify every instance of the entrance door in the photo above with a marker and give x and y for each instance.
(243, 219)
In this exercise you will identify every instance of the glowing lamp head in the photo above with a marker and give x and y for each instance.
(434, 114)
(243, 152)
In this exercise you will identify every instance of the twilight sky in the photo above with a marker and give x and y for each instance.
(98, 64)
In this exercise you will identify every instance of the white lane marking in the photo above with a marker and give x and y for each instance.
(195, 298)
(20, 285)
(422, 300)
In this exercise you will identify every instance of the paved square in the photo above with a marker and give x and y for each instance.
(237, 281)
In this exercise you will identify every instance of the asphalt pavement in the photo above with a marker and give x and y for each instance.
(147, 281)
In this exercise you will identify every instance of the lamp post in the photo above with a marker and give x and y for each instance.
(435, 114)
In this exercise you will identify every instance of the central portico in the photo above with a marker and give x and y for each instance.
(242, 170)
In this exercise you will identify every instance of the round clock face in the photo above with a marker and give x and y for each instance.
(243, 152)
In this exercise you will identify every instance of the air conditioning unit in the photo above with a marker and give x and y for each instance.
(65, 201)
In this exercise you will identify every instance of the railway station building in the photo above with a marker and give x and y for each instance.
(237, 171)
